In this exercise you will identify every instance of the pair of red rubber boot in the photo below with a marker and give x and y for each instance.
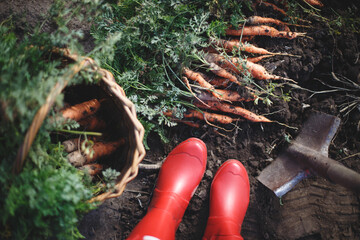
(178, 179)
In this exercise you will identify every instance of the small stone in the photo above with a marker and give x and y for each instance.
(209, 174)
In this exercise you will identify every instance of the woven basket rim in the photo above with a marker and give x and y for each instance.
(117, 91)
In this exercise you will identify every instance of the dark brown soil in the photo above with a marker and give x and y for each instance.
(315, 208)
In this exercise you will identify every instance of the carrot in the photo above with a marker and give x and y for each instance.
(232, 96)
(247, 47)
(211, 117)
(219, 82)
(259, 58)
(224, 107)
(241, 66)
(253, 20)
(100, 149)
(263, 30)
(221, 72)
(92, 168)
(197, 77)
(279, 10)
(92, 123)
(316, 3)
(81, 110)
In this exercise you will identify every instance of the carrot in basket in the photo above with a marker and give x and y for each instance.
(197, 77)
(224, 107)
(100, 149)
(81, 110)
(263, 30)
(92, 123)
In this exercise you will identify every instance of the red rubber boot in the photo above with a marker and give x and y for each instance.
(229, 199)
(178, 179)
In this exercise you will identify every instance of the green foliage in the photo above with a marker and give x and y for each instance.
(49, 195)
(155, 39)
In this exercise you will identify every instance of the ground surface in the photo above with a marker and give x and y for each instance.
(315, 208)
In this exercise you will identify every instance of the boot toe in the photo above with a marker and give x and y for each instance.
(184, 168)
(230, 191)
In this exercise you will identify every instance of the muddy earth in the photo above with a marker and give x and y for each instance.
(315, 208)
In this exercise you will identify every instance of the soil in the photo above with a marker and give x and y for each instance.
(315, 208)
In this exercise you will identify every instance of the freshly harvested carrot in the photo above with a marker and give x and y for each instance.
(263, 30)
(279, 10)
(92, 168)
(100, 149)
(229, 95)
(81, 110)
(197, 77)
(316, 3)
(221, 72)
(219, 82)
(92, 123)
(259, 58)
(224, 107)
(241, 66)
(210, 117)
(253, 20)
(246, 47)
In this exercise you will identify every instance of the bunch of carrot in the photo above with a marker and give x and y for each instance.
(86, 154)
(213, 96)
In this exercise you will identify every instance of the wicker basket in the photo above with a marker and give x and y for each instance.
(135, 131)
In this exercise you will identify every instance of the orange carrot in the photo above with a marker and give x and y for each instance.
(99, 150)
(224, 107)
(229, 95)
(316, 3)
(242, 66)
(210, 117)
(219, 82)
(195, 76)
(263, 30)
(221, 72)
(279, 10)
(259, 58)
(92, 168)
(253, 20)
(235, 43)
(92, 123)
(81, 110)
(246, 47)
(273, 6)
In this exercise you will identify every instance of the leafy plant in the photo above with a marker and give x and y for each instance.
(46, 199)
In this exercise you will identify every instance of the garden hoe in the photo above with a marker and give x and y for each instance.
(308, 154)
